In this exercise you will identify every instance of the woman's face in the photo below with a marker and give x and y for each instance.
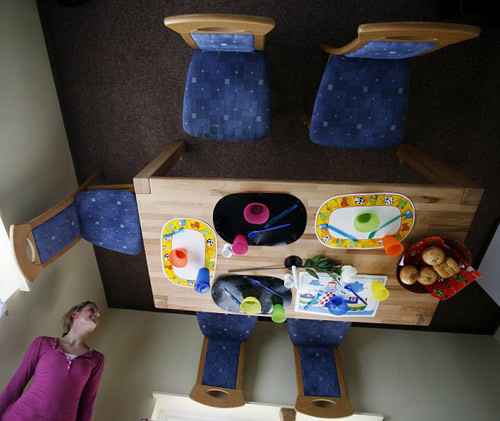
(88, 316)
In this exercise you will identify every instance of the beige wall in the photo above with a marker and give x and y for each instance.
(36, 172)
(403, 375)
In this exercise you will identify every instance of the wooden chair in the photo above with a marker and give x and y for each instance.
(320, 380)
(86, 213)
(362, 99)
(220, 371)
(227, 94)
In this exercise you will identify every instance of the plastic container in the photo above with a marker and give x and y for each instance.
(379, 291)
(250, 303)
(227, 251)
(288, 281)
(178, 258)
(337, 306)
(202, 283)
(256, 213)
(278, 315)
(240, 245)
(392, 246)
(366, 221)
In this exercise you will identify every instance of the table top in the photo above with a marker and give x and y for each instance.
(439, 210)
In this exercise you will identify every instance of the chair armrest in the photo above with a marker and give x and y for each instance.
(159, 166)
(439, 173)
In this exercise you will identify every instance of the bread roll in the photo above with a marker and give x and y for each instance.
(408, 275)
(433, 256)
(427, 275)
(448, 268)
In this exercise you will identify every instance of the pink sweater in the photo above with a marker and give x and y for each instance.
(62, 390)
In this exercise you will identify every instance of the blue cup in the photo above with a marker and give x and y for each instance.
(337, 306)
(202, 283)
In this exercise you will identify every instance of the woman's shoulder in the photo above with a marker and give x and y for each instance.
(45, 340)
(97, 356)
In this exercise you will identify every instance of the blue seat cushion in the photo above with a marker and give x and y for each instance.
(109, 219)
(221, 363)
(361, 104)
(227, 96)
(244, 43)
(226, 326)
(55, 234)
(317, 332)
(319, 371)
(392, 50)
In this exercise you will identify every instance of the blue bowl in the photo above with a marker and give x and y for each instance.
(337, 306)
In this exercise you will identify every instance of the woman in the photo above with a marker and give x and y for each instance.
(65, 371)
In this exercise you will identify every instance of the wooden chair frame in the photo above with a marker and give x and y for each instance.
(219, 397)
(322, 406)
(442, 33)
(185, 25)
(20, 234)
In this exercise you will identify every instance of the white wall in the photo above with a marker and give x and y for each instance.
(36, 172)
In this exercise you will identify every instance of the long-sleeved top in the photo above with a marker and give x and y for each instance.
(62, 389)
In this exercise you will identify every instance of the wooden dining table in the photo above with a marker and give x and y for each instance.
(444, 208)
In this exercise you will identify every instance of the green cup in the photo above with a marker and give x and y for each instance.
(278, 315)
(366, 221)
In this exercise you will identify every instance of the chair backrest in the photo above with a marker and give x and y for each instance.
(320, 379)
(400, 40)
(49, 235)
(220, 370)
(305, 332)
(226, 326)
(110, 219)
(221, 32)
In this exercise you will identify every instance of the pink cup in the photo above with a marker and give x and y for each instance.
(240, 244)
(256, 213)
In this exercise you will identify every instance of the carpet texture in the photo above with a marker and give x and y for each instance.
(120, 76)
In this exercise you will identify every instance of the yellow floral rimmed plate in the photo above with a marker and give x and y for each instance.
(340, 212)
(198, 239)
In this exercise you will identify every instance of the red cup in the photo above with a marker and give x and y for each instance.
(178, 258)
(256, 213)
(240, 244)
(392, 246)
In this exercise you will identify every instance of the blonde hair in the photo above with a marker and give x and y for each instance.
(67, 319)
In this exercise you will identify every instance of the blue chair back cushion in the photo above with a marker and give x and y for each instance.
(227, 96)
(56, 233)
(361, 104)
(317, 332)
(243, 43)
(225, 332)
(319, 371)
(392, 50)
(109, 219)
(226, 326)
(221, 363)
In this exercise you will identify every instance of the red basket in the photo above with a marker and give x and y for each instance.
(418, 288)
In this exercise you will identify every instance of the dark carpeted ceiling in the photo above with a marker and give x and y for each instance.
(120, 78)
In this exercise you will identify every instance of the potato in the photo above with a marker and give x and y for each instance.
(448, 268)
(408, 274)
(433, 256)
(427, 275)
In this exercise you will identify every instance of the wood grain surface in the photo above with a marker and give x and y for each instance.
(439, 211)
